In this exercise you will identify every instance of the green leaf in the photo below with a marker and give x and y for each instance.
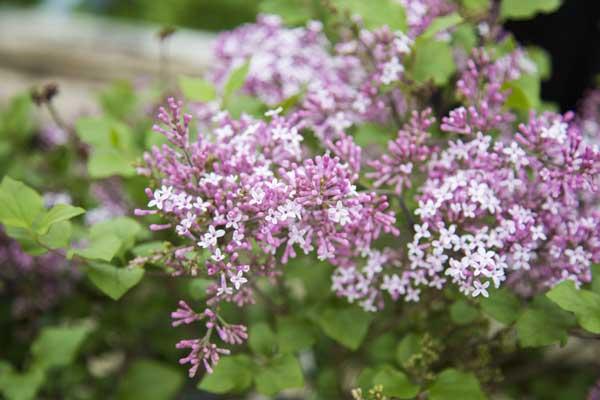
(21, 386)
(376, 13)
(463, 313)
(348, 326)
(585, 304)
(293, 12)
(104, 132)
(19, 204)
(124, 228)
(542, 60)
(524, 9)
(501, 305)
(113, 281)
(231, 374)
(465, 36)
(119, 99)
(382, 349)
(294, 334)
(261, 339)
(395, 383)
(107, 162)
(476, 6)
(433, 61)
(58, 236)
(150, 380)
(149, 248)
(408, 346)
(57, 346)
(282, 372)
(242, 104)
(453, 384)
(595, 278)
(197, 89)
(543, 324)
(58, 213)
(236, 80)
(440, 24)
(113, 146)
(525, 93)
(16, 120)
(101, 248)
(365, 378)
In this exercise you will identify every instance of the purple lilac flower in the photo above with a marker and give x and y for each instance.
(480, 86)
(524, 210)
(397, 167)
(246, 196)
(341, 88)
(240, 196)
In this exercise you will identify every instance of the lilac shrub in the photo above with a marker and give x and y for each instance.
(496, 203)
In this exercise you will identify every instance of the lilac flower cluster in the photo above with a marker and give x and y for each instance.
(243, 202)
(341, 89)
(246, 195)
(283, 62)
(480, 87)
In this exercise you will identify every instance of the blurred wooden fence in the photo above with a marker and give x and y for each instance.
(81, 52)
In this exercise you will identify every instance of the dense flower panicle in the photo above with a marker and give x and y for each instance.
(283, 61)
(247, 195)
(340, 89)
(525, 210)
(411, 148)
(242, 201)
(481, 87)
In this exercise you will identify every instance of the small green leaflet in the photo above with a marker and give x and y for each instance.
(452, 384)
(236, 80)
(197, 89)
(20, 205)
(524, 9)
(348, 326)
(281, 372)
(585, 304)
(113, 281)
(232, 374)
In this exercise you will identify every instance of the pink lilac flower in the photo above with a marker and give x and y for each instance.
(411, 148)
(240, 195)
(525, 212)
(340, 88)
(246, 195)
(480, 86)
